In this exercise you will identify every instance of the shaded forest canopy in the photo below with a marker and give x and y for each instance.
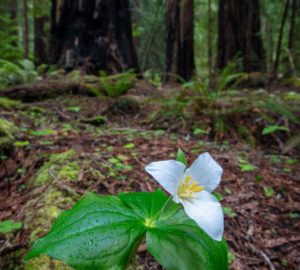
(178, 38)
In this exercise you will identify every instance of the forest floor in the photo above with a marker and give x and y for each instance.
(64, 150)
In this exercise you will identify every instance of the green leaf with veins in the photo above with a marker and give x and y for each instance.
(103, 232)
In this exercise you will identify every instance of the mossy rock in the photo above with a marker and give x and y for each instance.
(7, 132)
(118, 84)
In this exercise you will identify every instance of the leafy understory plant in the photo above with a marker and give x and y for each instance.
(271, 129)
(104, 232)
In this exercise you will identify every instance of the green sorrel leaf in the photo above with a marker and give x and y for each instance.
(103, 232)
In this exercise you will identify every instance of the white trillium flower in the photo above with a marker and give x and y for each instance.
(192, 188)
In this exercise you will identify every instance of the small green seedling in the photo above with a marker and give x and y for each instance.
(269, 192)
(271, 129)
(200, 131)
(245, 166)
(9, 225)
(229, 212)
(74, 109)
(42, 132)
(21, 144)
(129, 146)
(231, 257)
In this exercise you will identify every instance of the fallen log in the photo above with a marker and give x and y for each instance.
(42, 90)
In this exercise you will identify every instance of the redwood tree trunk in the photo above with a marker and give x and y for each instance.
(26, 29)
(180, 39)
(296, 44)
(92, 35)
(14, 21)
(239, 34)
(279, 44)
(293, 38)
(40, 55)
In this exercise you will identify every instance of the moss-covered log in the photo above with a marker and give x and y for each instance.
(42, 209)
(48, 89)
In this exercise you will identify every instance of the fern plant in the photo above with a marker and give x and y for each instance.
(205, 93)
(16, 73)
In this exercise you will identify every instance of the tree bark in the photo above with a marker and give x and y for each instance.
(293, 24)
(180, 40)
(41, 17)
(278, 51)
(296, 44)
(291, 67)
(26, 29)
(40, 55)
(239, 34)
(14, 21)
(209, 41)
(92, 35)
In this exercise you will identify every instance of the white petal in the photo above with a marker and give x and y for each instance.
(168, 173)
(207, 212)
(206, 171)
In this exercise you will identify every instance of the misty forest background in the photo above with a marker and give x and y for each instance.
(92, 91)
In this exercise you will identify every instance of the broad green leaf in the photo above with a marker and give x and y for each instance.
(178, 243)
(100, 232)
(181, 157)
(103, 232)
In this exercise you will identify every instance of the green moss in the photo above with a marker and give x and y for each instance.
(7, 104)
(7, 128)
(93, 90)
(45, 263)
(7, 131)
(70, 171)
(41, 213)
(61, 166)
(117, 85)
(43, 209)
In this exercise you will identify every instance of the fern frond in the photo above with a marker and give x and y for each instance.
(292, 143)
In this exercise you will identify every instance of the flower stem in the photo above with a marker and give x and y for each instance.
(165, 206)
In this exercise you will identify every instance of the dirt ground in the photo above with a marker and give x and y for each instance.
(260, 187)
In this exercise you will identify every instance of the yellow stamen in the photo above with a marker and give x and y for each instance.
(188, 188)
(186, 181)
